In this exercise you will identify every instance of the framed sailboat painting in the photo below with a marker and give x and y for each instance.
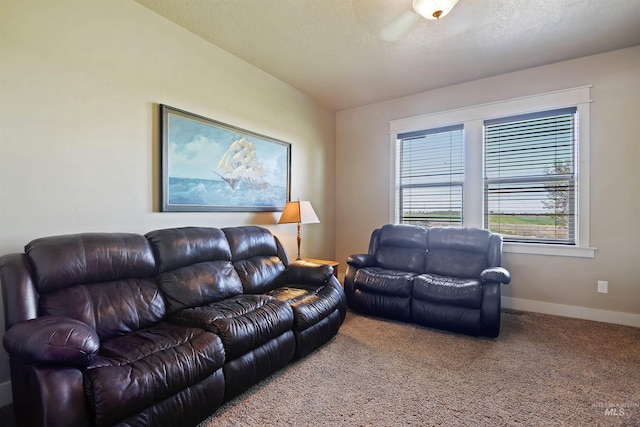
(207, 165)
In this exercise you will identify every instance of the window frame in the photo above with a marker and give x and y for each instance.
(473, 118)
(526, 182)
(434, 184)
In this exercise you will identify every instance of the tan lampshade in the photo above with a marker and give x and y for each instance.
(298, 212)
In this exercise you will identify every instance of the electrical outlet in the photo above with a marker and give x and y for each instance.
(603, 286)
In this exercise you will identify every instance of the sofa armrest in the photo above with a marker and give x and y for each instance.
(52, 339)
(361, 260)
(300, 271)
(495, 274)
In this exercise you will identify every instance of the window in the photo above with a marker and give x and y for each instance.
(519, 167)
(530, 186)
(430, 176)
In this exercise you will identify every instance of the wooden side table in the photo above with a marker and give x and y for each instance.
(334, 264)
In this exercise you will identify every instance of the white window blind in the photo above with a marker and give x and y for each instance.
(530, 177)
(430, 176)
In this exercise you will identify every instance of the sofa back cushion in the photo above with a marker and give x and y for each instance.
(401, 247)
(457, 251)
(183, 246)
(194, 266)
(254, 254)
(102, 279)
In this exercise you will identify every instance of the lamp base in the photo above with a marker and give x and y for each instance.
(299, 240)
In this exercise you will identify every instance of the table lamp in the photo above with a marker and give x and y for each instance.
(298, 212)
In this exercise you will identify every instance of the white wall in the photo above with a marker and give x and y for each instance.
(80, 82)
(560, 285)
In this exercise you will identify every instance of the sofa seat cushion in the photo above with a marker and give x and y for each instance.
(243, 322)
(310, 303)
(448, 290)
(135, 371)
(386, 282)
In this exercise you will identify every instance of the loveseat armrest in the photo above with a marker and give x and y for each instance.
(52, 340)
(495, 274)
(301, 271)
(362, 260)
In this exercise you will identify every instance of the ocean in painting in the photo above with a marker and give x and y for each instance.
(217, 193)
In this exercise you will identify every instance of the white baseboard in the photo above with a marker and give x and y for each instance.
(5, 393)
(620, 318)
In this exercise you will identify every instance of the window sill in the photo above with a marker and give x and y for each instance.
(552, 250)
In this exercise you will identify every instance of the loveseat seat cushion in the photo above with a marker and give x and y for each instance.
(243, 322)
(448, 290)
(136, 371)
(386, 282)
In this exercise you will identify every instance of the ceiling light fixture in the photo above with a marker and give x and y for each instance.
(433, 9)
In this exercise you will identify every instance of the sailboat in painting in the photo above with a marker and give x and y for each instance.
(240, 166)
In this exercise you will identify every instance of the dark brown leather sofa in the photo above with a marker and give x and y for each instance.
(443, 277)
(158, 330)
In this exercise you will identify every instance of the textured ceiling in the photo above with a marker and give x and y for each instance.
(348, 53)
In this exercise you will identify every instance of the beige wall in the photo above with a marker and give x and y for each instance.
(79, 84)
(553, 284)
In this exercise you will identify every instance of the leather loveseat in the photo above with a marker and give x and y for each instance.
(156, 329)
(443, 277)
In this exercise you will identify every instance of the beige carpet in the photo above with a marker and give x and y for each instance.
(542, 371)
